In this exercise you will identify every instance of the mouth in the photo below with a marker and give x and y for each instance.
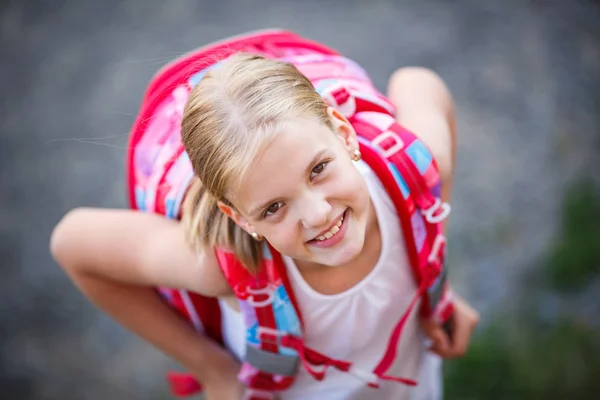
(333, 235)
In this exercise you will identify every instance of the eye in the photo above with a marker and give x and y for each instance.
(273, 208)
(318, 169)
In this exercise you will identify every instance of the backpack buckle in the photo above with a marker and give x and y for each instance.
(343, 101)
(256, 297)
(443, 208)
(366, 376)
(260, 292)
(270, 362)
(388, 151)
(270, 335)
(436, 249)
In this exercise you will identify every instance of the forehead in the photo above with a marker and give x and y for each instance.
(282, 164)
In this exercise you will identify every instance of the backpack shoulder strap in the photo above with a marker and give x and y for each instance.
(407, 168)
(270, 313)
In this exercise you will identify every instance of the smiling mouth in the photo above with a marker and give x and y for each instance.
(332, 231)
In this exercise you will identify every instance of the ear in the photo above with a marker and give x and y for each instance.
(236, 217)
(344, 130)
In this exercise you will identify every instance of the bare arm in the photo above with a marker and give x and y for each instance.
(116, 257)
(137, 248)
(425, 107)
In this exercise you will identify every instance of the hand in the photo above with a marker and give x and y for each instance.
(226, 390)
(455, 341)
(223, 384)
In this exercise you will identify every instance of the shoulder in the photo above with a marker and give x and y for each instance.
(193, 269)
(135, 248)
(426, 109)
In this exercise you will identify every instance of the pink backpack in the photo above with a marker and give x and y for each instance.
(159, 173)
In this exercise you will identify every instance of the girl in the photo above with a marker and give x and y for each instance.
(271, 171)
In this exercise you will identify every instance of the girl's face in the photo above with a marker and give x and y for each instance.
(304, 195)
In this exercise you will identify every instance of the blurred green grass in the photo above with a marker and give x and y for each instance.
(575, 259)
(526, 356)
(561, 361)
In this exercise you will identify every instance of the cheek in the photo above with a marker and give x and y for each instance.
(353, 187)
(282, 236)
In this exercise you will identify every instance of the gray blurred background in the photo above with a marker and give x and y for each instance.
(524, 230)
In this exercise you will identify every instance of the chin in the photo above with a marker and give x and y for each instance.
(350, 254)
(344, 256)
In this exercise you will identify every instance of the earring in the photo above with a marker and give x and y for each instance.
(256, 236)
(356, 156)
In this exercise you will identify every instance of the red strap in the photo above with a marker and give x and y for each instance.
(280, 265)
(434, 265)
(183, 385)
(258, 394)
(420, 194)
(379, 166)
(311, 358)
(265, 381)
(265, 315)
(392, 348)
(209, 312)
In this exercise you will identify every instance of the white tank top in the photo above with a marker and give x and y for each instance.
(355, 325)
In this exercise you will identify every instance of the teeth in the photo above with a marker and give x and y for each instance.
(333, 231)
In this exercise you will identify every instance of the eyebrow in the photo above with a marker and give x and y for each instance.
(256, 211)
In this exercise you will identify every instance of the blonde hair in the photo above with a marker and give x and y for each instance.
(231, 115)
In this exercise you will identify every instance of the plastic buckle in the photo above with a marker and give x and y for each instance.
(240, 291)
(265, 291)
(366, 376)
(438, 244)
(391, 150)
(442, 215)
(343, 100)
(270, 335)
(319, 369)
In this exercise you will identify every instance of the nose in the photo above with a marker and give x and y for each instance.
(314, 211)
